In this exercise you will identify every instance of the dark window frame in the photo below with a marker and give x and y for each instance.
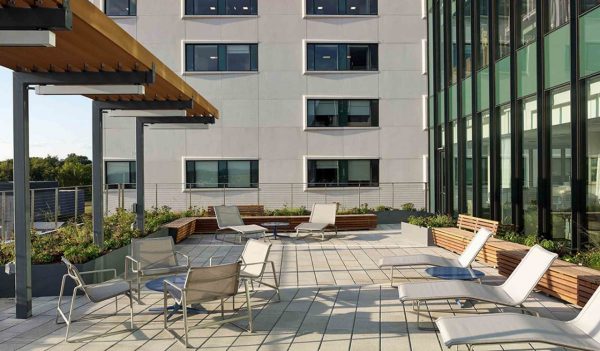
(132, 174)
(223, 174)
(343, 113)
(343, 62)
(132, 10)
(342, 171)
(221, 57)
(222, 9)
(342, 9)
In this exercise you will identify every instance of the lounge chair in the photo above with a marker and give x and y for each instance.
(154, 257)
(99, 292)
(255, 259)
(464, 260)
(513, 292)
(321, 217)
(204, 284)
(581, 333)
(229, 218)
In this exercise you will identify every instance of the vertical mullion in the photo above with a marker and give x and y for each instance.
(475, 46)
(447, 125)
(494, 130)
(579, 139)
(543, 131)
(436, 101)
(515, 188)
(460, 18)
(477, 175)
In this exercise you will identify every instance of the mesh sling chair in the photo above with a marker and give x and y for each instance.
(153, 257)
(99, 292)
(580, 333)
(255, 260)
(229, 218)
(321, 217)
(204, 284)
(464, 260)
(513, 292)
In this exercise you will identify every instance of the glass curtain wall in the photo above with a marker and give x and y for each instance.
(530, 165)
(503, 21)
(505, 164)
(593, 159)
(455, 167)
(469, 163)
(485, 165)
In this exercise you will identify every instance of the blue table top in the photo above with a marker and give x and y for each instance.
(455, 273)
(157, 284)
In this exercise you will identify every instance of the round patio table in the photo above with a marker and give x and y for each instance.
(455, 273)
(275, 225)
(179, 281)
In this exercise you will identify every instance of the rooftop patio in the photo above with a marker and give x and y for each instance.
(334, 296)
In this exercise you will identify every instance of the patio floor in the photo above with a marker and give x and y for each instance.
(334, 297)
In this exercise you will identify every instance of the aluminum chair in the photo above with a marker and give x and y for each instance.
(99, 292)
(204, 284)
(464, 260)
(153, 257)
(321, 217)
(229, 218)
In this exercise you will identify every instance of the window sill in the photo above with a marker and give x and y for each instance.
(355, 188)
(195, 73)
(306, 16)
(311, 73)
(216, 16)
(308, 129)
(206, 190)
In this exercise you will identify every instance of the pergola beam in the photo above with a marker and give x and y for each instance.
(90, 89)
(18, 18)
(28, 38)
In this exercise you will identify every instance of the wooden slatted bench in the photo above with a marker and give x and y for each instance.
(245, 210)
(180, 229)
(452, 238)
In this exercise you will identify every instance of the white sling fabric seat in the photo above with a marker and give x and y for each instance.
(321, 217)
(229, 218)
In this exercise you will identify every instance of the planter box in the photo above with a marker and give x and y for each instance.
(208, 225)
(564, 280)
(46, 278)
(398, 216)
(416, 234)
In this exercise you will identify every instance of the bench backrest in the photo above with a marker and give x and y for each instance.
(245, 210)
(473, 224)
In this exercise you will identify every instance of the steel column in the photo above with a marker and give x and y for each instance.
(139, 174)
(21, 195)
(97, 181)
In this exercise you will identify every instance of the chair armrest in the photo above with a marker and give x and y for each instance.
(132, 260)
(187, 258)
(211, 258)
(114, 271)
(166, 282)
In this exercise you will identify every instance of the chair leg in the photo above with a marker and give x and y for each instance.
(60, 295)
(139, 288)
(252, 284)
(392, 277)
(165, 309)
(222, 308)
(185, 320)
(130, 308)
(249, 304)
(116, 305)
(276, 282)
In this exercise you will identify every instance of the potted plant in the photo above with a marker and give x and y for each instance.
(418, 228)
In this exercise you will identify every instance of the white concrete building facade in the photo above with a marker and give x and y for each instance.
(309, 98)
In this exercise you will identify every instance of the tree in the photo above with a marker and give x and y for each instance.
(74, 174)
(74, 170)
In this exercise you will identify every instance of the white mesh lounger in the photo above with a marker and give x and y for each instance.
(321, 217)
(229, 218)
(513, 292)
(581, 333)
(464, 260)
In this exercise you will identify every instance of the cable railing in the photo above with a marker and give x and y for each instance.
(51, 207)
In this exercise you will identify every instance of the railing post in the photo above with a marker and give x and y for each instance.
(4, 231)
(32, 207)
(291, 195)
(325, 193)
(76, 195)
(426, 196)
(56, 194)
(106, 199)
(224, 195)
(393, 195)
(156, 195)
(190, 196)
(258, 195)
(358, 196)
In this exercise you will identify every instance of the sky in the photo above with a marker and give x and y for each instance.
(58, 125)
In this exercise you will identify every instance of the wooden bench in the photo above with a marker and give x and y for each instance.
(453, 238)
(180, 229)
(245, 210)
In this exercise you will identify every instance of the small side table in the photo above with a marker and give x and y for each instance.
(274, 226)
(455, 273)
(157, 285)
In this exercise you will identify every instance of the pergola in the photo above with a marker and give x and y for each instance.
(71, 47)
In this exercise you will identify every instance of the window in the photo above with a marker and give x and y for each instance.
(593, 153)
(221, 7)
(528, 22)
(343, 173)
(505, 164)
(485, 165)
(453, 45)
(221, 57)
(342, 57)
(221, 174)
(558, 13)
(466, 32)
(120, 7)
(529, 118)
(469, 163)
(342, 113)
(484, 37)
(503, 39)
(120, 172)
(336, 7)
(588, 5)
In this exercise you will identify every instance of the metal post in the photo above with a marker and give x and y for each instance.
(4, 232)
(258, 195)
(97, 183)
(139, 174)
(358, 195)
(292, 195)
(224, 196)
(22, 210)
(393, 195)
(56, 208)
(156, 195)
(190, 196)
(105, 199)
(32, 207)
(76, 195)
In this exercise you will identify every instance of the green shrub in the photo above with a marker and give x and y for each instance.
(435, 221)
(409, 206)
(159, 216)
(82, 253)
(288, 211)
(363, 209)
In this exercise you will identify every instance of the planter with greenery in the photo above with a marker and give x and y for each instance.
(418, 228)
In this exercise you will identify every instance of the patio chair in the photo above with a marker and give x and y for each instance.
(321, 217)
(581, 333)
(204, 284)
(513, 292)
(153, 257)
(464, 260)
(255, 259)
(229, 218)
(99, 292)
